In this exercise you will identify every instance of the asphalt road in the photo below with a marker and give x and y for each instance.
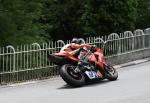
(132, 86)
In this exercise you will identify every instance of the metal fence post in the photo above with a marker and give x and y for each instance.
(100, 40)
(14, 52)
(61, 41)
(113, 37)
(129, 34)
(39, 48)
(147, 31)
(140, 33)
(147, 37)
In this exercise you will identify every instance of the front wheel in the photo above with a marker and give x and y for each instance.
(71, 77)
(111, 73)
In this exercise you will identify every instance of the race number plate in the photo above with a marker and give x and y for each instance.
(91, 74)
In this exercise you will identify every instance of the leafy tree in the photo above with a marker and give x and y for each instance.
(61, 17)
(19, 22)
(106, 16)
(143, 16)
(28, 21)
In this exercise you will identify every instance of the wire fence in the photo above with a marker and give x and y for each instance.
(29, 62)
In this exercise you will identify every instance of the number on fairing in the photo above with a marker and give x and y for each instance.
(91, 74)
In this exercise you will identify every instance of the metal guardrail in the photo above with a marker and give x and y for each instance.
(29, 62)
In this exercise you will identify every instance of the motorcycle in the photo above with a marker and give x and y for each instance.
(76, 73)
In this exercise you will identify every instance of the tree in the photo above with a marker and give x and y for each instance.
(143, 16)
(106, 16)
(24, 21)
(61, 17)
(19, 22)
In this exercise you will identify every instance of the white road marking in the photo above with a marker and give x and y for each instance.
(25, 83)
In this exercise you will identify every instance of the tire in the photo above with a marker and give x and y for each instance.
(66, 72)
(111, 75)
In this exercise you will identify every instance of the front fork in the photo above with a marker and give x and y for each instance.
(103, 69)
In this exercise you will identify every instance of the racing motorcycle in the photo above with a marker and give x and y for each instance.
(76, 73)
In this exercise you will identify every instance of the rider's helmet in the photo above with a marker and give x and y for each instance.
(74, 40)
(79, 41)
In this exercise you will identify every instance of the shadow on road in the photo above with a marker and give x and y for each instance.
(88, 84)
(66, 86)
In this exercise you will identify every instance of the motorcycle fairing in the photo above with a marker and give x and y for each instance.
(97, 57)
(66, 54)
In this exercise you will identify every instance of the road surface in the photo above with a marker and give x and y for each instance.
(132, 86)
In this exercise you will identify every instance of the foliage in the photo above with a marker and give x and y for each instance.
(28, 21)
(143, 16)
(19, 22)
(106, 16)
(62, 17)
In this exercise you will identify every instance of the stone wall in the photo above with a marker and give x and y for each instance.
(128, 57)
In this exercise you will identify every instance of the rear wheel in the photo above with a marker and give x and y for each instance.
(71, 77)
(111, 72)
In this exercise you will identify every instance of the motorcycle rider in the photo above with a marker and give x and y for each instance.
(76, 44)
(83, 52)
